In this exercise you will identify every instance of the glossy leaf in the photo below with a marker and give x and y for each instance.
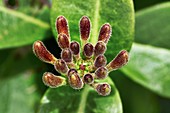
(146, 3)
(135, 98)
(67, 100)
(150, 66)
(119, 14)
(99, 12)
(17, 28)
(19, 94)
(152, 26)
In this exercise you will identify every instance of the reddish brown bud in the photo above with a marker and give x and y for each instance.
(66, 55)
(103, 89)
(100, 61)
(88, 50)
(61, 66)
(74, 79)
(75, 47)
(84, 28)
(62, 26)
(63, 41)
(120, 60)
(100, 48)
(42, 53)
(101, 73)
(105, 33)
(88, 78)
(52, 80)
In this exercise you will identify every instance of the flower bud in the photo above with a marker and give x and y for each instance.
(103, 89)
(105, 33)
(61, 26)
(100, 61)
(120, 60)
(61, 66)
(88, 50)
(101, 73)
(63, 41)
(52, 80)
(42, 53)
(66, 55)
(75, 48)
(74, 79)
(88, 78)
(100, 48)
(84, 28)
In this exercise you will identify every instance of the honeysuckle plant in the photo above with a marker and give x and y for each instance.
(118, 40)
(80, 64)
(79, 87)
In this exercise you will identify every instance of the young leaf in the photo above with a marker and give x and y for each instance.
(66, 100)
(118, 13)
(17, 29)
(150, 66)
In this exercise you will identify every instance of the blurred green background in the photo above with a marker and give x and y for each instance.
(18, 63)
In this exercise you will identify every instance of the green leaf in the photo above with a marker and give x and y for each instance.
(152, 26)
(17, 29)
(135, 98)
(150, 66)
(67, 100)
(146, 3)
(18, 90)
(17, 61)
(19, 94)
(119, 13)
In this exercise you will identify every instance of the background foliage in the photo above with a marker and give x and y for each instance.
(140, 87)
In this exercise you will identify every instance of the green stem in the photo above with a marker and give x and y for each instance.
(84, 95)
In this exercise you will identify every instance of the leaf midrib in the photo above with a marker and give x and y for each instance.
(93, 40)
(83, 100)
(25, 17)
(94, 32)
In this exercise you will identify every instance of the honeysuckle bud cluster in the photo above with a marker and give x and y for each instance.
(80, 65)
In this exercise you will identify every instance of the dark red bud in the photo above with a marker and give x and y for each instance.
(105, 33)
(66, 55)
(120, 60)
(42, 53)
(75, 47)
(88, 78)
(84, 28)
(88, 50)
(63, 41)
(103, 89)
(61, 66)
(100, 61)
(101, 73)
(62, 26)
(100, 48)
(74, 79)
(52, 80)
